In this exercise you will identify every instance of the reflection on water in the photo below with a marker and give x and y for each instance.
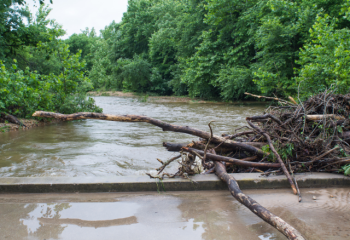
(102, 148)
(206, 215)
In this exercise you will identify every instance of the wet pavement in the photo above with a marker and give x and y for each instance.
(205, 215)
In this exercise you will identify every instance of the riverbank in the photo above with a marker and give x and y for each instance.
(29, 123)
(145, 97)
(163, 99)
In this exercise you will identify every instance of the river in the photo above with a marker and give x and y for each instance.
(104, 148)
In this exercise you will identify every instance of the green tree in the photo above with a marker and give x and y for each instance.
(58, 84)
(325, 59)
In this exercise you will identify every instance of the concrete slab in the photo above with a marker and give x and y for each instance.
(205, 215)
(144, 183)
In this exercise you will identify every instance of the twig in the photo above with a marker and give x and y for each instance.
(277, 156)
(322, 155)
(271, 98)
(206, 146)
(166, 163)
(233, 160)
(341, 161)
(295, 181)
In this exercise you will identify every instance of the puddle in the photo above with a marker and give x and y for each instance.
(206, 215)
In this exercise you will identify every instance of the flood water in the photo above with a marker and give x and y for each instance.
(104, 148)
(209, 215)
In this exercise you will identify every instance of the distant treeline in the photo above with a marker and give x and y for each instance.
(212, 49)
(219, 49)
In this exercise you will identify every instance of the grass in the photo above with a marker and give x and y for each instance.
(5, 129)
(143, 98)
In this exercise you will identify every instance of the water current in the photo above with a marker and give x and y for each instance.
(104, 148)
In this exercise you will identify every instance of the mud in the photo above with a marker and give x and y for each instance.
(29, 123)
(172, 215)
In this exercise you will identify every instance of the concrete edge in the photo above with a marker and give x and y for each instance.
(144, 183)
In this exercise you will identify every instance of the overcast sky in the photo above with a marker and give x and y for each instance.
(76, 15)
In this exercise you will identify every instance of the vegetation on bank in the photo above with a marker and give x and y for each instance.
(37, 69)
(219, 49)
(209, 49)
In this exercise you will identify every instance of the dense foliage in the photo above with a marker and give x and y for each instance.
(222, 48)
(213, 49)
(37, 70)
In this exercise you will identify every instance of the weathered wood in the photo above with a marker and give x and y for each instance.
(214, 157)
(276, 154)
(243, 159)
(174, 147)
(237, 134)
(165, 126)
(321, 156)
(278, 223)
(164, 164)
(321, 117)
(270, 98)
(266, 116)
(292, 100)
(12, 119)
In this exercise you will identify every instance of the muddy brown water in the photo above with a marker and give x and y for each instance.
(172, 215)
(103, 148)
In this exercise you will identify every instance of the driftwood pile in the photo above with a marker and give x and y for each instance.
(312, 136)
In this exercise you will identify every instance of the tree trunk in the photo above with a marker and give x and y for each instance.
(321, 117)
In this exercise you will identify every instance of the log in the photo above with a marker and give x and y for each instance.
(321, 117)
(278, 223)
(174, 147)
(239, 162)
(276, 154)
(12, 119)
(165, 126)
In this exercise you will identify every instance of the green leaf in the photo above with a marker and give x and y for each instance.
(340, 129)
(347, 171)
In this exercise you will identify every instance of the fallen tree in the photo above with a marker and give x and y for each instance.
(312, 136)
(188, 162)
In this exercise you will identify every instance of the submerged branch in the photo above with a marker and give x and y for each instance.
(165, 126)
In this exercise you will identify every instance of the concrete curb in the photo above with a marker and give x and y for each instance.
(144, 183)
